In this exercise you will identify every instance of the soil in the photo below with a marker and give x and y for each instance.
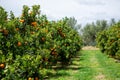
(90, 48)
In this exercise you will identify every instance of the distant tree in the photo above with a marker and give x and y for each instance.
(3, 16)
(112, 22)
(72, 22)
(89, 31)
(78, 28)
(101, 25)
(12, 16)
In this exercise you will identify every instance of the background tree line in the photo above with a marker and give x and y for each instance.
(90, 30)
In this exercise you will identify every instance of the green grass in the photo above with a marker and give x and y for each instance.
(111, 68)
(91, 65)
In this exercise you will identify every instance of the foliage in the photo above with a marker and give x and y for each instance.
(89, 31)
(31, 44)
(109, 41)
(3, 16)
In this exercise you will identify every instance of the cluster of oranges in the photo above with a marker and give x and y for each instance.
(4, 31)
(61, 34)
(30, 78)
(32, 23)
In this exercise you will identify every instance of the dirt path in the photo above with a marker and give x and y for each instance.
(90, 48)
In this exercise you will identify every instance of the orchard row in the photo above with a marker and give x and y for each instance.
(109, 41)
(31, 44)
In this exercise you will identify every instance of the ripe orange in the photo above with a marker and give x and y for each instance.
(34, 23)
(43, 39)
(36, 78)
(29, 78)
(2, 66)
(19, 44)
(5, 32)
(22, 21)
(32, 32)
(17, 29)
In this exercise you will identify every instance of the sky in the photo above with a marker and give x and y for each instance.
(84, 11)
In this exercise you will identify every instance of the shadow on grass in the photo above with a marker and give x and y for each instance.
(63, 70)
(77, 59)
(56, 75)
(71, 67)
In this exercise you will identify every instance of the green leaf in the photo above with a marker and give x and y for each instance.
(8, 44)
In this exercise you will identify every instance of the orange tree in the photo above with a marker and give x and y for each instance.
(66, 41)
(109, 41)
(21, 51)
(30, 44)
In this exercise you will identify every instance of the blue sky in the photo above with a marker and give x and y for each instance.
(84, 11)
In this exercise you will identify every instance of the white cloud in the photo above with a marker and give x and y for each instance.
(91, 2)
(83, 10)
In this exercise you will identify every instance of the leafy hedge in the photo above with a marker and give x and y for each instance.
(109, 41)
(30, 44)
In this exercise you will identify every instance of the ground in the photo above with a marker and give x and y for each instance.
(90, 64)
(90, 48)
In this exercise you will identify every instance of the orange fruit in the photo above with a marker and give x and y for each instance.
(5, 32)
(17, 29)
(32, 32)
(36, 78)
(22, 21)
(43, 39)
(2, 66)
(29, 78)
(19, 44)
(34, 23)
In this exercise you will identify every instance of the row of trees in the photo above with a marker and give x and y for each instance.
(31, 44)
(89, 31)
(109, 41)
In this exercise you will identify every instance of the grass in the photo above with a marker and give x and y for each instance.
(111, 68)
(91, 65)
